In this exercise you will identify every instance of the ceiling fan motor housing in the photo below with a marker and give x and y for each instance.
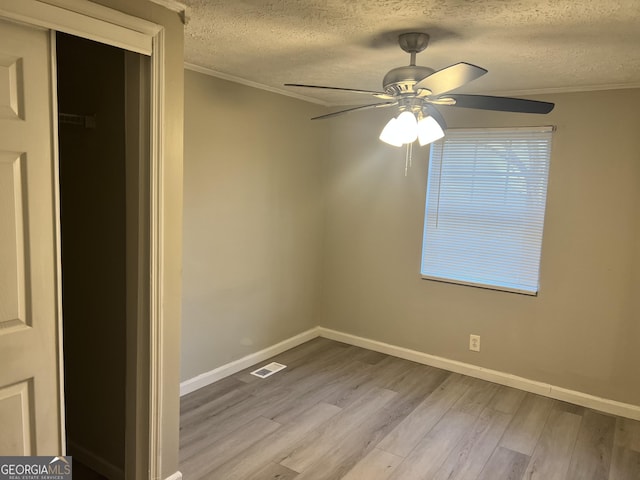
(401, 80)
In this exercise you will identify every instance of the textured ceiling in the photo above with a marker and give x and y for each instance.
(528, 46)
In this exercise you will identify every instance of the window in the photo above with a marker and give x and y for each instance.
(486, 196)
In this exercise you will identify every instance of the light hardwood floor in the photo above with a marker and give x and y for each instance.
(343, 412)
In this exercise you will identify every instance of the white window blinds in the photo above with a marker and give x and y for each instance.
(486, 196)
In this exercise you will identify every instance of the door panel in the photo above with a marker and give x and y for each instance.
(29, 376)
(10, 87)
(15, 419)
(12, 256)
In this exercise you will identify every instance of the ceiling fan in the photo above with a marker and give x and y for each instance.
(417, 90)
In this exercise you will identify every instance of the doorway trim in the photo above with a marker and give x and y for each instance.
(96, 22)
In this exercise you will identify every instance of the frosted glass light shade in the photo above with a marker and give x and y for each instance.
(407, 127)
(429, 131)
(391, 133)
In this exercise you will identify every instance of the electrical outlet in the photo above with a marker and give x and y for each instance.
(474, 343)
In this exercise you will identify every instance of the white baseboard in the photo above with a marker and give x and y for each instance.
(579, 398)
(176, 476)
(219, 373)
(95, 462)
(597, 403)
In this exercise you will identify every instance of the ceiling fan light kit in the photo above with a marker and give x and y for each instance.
(407, 127)
(416, 90)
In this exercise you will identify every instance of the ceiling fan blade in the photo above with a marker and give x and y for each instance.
(349, 110)
(381, 95)
(502, 104)
(450, 78)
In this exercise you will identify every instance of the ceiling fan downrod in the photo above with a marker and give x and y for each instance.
(400, 81)
(413, 43)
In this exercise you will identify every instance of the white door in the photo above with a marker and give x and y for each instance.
(30, 417)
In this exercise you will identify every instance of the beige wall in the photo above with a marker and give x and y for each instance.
(252, 220)
(580, 332)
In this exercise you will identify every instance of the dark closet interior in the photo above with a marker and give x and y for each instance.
(91, 105)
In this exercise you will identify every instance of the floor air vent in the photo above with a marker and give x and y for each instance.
(267, 370)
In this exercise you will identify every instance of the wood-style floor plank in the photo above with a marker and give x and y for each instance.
(272, 471)
(342, 412)
(508, 399)
(212, 405)
(591, 459)
(301, 370)
(476, 398)
(333, 385)
(415, 381)
(200, 464)
(189, 404)
(402, 439)
(315, 446)
(275, 447)
(628, 434)
(433, 449)
(552, 455)
(217, 427)
(625, 464)
(348, 451)
(505, 464)
(625, 460)
(355, 386)
(524, 430)
(469, 456)
(376, 465)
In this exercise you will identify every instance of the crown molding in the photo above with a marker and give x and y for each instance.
(180, 8)
(232, 78)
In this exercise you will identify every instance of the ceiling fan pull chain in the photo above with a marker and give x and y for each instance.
(407, 158)
(410, 154)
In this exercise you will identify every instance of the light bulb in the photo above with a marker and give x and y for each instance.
(391, 133)
(408, 127)
(429, 131)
